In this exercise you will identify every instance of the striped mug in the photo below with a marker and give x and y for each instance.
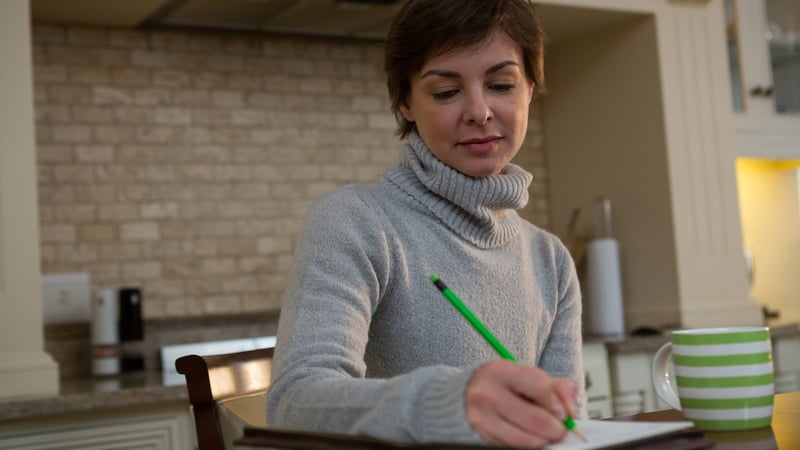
(724, 376)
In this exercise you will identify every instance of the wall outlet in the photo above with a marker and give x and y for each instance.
(65, 298)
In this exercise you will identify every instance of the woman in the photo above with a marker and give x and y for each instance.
(366, 343)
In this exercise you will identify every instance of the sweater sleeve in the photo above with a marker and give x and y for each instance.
(562, 355)
(342, 268)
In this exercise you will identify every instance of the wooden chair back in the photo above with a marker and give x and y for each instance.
(213, 379)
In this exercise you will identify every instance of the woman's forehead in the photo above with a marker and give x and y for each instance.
(498, 44)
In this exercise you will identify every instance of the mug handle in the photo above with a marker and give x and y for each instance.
(665, 387)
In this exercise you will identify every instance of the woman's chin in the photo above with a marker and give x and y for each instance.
(481, 171)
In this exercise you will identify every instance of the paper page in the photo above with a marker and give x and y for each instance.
(603, 433)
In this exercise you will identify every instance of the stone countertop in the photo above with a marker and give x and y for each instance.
(632, 344)
(84, 394)
(779, 330)
(80, 392)
(95, 393)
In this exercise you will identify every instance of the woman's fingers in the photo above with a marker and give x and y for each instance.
(554, 394)
(511, 404)
(493, 400)
(514, 421)
(506, 434)
(567, 392)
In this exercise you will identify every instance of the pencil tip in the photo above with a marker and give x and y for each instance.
(579, 434)
(434, 278)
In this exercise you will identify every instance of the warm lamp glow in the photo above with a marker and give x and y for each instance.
(769, 204)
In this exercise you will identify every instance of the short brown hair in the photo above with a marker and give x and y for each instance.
(424, 29)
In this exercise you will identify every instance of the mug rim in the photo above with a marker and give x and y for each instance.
(720, 330)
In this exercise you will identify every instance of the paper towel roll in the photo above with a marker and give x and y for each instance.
(104, 318)
(604, 287)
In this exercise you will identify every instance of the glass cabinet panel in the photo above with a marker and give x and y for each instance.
(734, 58)
(783, 37)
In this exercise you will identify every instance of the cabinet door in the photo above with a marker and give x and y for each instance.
(598, 385)
(140, 430)
(783, 42)
(787, 364)
(764, 61)
(764, 55)
(632, 384)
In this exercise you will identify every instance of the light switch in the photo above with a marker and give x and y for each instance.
(65, 298)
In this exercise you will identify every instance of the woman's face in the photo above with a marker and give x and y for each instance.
(470, 105)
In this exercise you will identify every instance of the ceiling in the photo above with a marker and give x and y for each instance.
(367, 19)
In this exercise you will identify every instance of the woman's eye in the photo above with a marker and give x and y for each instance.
(502, 87)
(444, 95)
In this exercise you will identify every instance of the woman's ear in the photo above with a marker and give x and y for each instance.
(406, 111)
(531, 88)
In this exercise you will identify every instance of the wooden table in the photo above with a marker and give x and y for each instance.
(783, 435)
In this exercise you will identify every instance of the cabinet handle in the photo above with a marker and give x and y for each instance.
(760, 91)
(587, 381)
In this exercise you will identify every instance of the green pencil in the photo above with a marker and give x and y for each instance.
(488, 336)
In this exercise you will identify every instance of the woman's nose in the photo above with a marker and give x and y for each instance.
(478, 110)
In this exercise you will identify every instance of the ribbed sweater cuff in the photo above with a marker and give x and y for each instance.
(444, 410)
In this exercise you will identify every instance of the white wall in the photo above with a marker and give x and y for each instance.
(605, 137)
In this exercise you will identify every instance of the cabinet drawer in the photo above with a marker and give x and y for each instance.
(598, 384)
(165, 427)
(595, 366)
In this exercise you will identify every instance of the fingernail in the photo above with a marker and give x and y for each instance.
(571, 408)
(558, 410)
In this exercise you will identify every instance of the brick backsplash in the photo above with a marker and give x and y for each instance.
(184, 162)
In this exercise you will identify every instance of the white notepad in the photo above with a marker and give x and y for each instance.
(604, 433)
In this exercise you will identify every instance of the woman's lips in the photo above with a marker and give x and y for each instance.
(481, 146)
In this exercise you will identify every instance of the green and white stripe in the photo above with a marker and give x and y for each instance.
(717, 336)
(725, 380)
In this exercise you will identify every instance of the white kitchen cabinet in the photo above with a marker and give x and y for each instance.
(764, 61)
(598, 381)
(785, 353)
(632, 385)
(156, 427)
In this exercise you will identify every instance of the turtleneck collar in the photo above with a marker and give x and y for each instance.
(480, 210)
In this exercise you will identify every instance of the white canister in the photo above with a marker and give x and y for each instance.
(604, 287)
(105, 333)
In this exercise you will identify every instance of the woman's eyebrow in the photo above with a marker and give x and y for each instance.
(500, 65)
(453, 74)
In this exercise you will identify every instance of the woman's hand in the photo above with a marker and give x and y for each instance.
(520, 406)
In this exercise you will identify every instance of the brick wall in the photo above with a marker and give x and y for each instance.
(184, 162)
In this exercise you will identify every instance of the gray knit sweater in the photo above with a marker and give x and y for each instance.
(368, 345)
